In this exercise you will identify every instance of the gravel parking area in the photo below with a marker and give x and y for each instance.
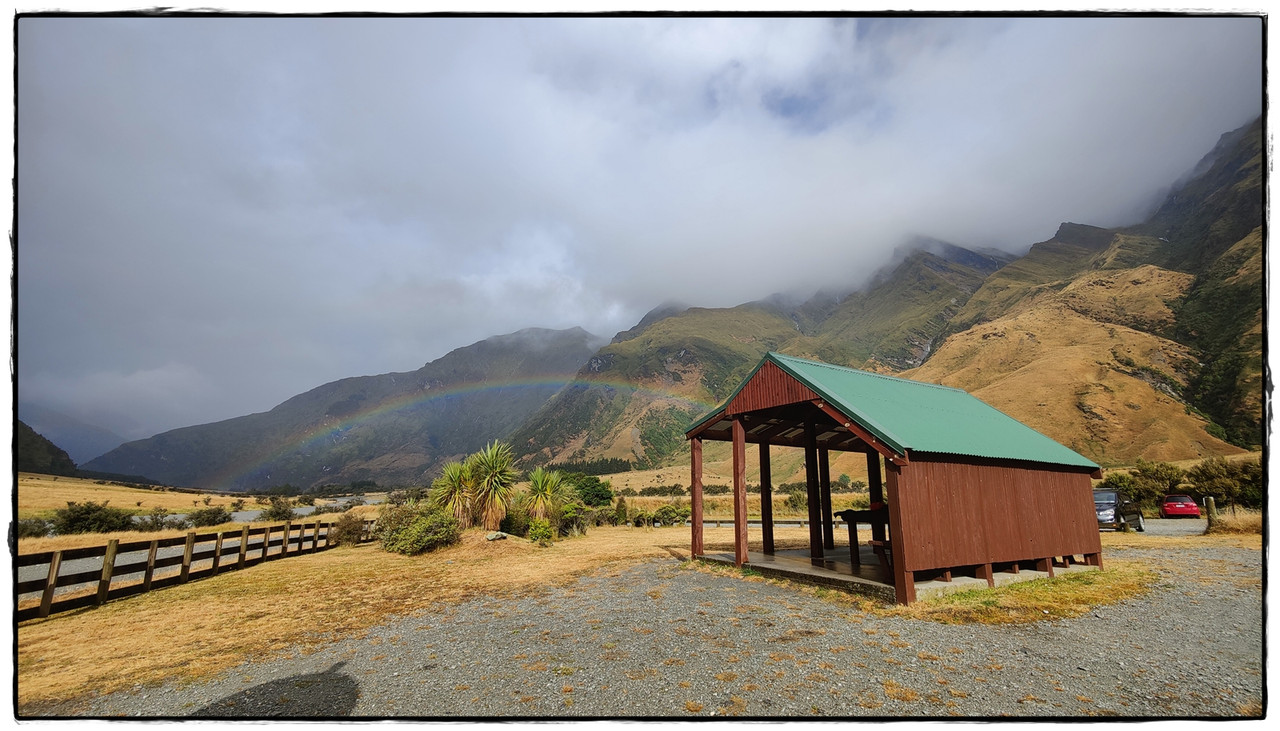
(661, 640)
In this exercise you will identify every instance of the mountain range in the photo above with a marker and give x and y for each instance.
(1142, 341)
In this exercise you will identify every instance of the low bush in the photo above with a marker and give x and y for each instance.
(90, 517)
(620, 512)
(416, 527)
(346, 530)
(157, 520)
(540, 532)
(280, 509)
(204, 517)
(33, 528)
(672, 514)
(516, 521)
(573, 519)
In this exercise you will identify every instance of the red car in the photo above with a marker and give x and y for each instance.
(1179, 506)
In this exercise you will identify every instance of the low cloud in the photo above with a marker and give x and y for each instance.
(218, 213)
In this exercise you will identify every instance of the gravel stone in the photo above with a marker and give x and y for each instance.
(659, 640)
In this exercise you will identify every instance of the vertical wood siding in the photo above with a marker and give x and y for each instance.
(770, 386)
(961, 513)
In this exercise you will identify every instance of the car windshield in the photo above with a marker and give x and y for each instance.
(1104, 497)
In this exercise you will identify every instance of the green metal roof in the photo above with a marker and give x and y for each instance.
(923, 417)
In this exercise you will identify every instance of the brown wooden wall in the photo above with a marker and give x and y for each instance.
(770, 386)
(960, 514)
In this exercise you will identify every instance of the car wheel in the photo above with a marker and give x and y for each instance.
(1141, 525)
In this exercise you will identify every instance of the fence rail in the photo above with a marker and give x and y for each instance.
(139, 566)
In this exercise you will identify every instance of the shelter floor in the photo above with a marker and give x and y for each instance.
(836, 570)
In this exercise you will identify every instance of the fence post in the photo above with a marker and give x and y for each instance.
(186, 557)
(51, 583)
(108, 568)
(284, 545)
(244, 545)
(217, 554)
(1211, 512)
(151, 565)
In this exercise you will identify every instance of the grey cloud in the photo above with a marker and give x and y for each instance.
(216, 214)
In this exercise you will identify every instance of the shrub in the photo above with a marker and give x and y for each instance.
(90, 517)
(620, 512)
(415, 528)
(672, 514)
(346, 530)
(517, 521)
(540, 532)
(33, 528)
(642, 518)
(279, 510)
(157, 520)
(591, 490)
(306, 500)
(208, 516)
(574, 518)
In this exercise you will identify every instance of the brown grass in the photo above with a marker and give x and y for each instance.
(40, 495)
(198, 630)
(1239, 521)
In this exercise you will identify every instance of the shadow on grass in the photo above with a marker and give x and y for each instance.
(330, 694)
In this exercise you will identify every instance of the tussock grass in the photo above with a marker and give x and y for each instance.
(1240, 521)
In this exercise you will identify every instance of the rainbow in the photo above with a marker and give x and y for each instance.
(333, 429)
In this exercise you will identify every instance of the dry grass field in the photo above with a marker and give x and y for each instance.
(197, 630)
(40, 495)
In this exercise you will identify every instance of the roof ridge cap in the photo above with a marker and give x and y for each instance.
(868, 373)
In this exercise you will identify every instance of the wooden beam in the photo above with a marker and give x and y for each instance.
(766, 498)
(739, 494)
(866, 436)
(695, 492)
(705, 426)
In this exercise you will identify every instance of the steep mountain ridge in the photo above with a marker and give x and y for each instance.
(1143, 341)
(395, 427)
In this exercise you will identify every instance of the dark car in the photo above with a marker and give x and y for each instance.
(1179, 506)
(1115, 510)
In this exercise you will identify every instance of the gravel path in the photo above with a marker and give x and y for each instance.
(656, 639)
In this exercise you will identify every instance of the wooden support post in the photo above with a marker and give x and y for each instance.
(1045, 564)
(244, 547)
(824, 484)
(855, 558)
(875, 491)
(695, 497)
(151, 565)
(50, 583)
(984, 572)
(946, 575)
(904, 581)
(766, 498)
(186, 558)
(315, 536)
(217, 554)
(739, 493)
(811, 488)
(284, 545)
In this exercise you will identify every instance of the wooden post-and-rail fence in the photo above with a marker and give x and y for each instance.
(230, 550)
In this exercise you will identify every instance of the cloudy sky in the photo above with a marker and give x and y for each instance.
(216, 214)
